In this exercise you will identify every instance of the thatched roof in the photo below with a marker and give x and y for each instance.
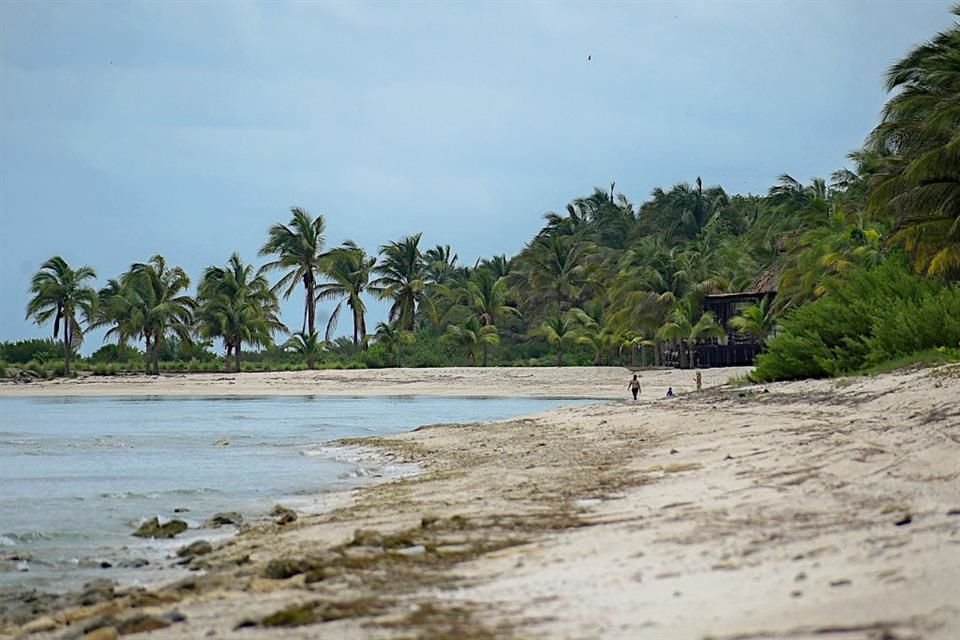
(766, 282)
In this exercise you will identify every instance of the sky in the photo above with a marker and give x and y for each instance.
(187, 129)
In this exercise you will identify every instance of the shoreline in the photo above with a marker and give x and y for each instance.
(818, 508)
(594, 383)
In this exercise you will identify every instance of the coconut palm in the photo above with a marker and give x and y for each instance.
(348, 270)
(393, 337)
(558, 330)
(485, 298)
(472, 336)
(59, 292)
(919, 135)
(238, 306)
(555, 265)
(403, 279)
(688, 323)
(156, 306)
(298, 246)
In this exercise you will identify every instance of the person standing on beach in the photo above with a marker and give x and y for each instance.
(699, 380)
(634, 386)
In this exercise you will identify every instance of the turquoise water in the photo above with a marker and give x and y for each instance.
(78, 474)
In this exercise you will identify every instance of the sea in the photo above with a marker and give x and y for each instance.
(79, 474)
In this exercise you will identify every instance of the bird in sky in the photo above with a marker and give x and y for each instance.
(589, 58)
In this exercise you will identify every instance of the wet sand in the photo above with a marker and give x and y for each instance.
(819, 509)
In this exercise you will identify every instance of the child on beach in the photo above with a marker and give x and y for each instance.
(699, 380)
(634, 386)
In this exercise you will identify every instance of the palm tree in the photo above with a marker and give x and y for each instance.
(559, 330)
(555, 265)
(472, 335)
(687, 323)
(757, 320)
(485, 297)
(298, 246)
(307, 345)
(154, 306)
(596, 331)
(59, 292)
(348, 269)
(440, 265)
(238, 305)
(403, 279)
(919, 137)
(393, 337)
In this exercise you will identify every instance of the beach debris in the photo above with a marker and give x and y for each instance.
(283, 568)
(222, 518)
(96, 591)
(194, 549)
(306, 613)
(283, 515)
(415, 550)
(905, 520)
(953, 512)
(103, 633)
(673, 451)
(181, 510)
(142, 623)
(41, 624)
(221, 442)
(152, 528)
(428, 520)
(135, 563)
(840, 583)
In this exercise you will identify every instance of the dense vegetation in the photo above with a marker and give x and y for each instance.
(866, 264)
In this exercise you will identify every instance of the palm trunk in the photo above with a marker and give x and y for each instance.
(237, 353)
(147, 355)
(398, 356)
(66, 346)
(559, 355)
(693, 355)
(485, 353)
(311, 304)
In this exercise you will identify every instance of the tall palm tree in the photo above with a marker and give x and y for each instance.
(59, 291)
(403, 279)
(556, 266)
(298, 246)
(348, 270)
(472, 336)
(394, 337)
(919, 136)
(238, 306)
(156, 306)
(485, 298)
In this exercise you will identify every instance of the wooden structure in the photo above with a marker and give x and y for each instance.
(736, 348)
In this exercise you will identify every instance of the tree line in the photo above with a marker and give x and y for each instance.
(605, 280)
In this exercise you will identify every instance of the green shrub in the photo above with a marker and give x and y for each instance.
(874, 316)
(116, 353)
(34, 349)
(3, 369)
(100, 369)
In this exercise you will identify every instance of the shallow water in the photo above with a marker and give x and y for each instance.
(78, 474)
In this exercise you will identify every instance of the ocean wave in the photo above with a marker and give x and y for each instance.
(156, 495)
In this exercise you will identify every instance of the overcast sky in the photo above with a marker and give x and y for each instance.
(128, 129)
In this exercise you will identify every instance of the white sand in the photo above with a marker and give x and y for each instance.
(734, 513)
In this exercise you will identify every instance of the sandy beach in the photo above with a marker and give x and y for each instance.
(816, 509)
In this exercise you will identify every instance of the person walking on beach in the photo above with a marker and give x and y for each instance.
(634, 386)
